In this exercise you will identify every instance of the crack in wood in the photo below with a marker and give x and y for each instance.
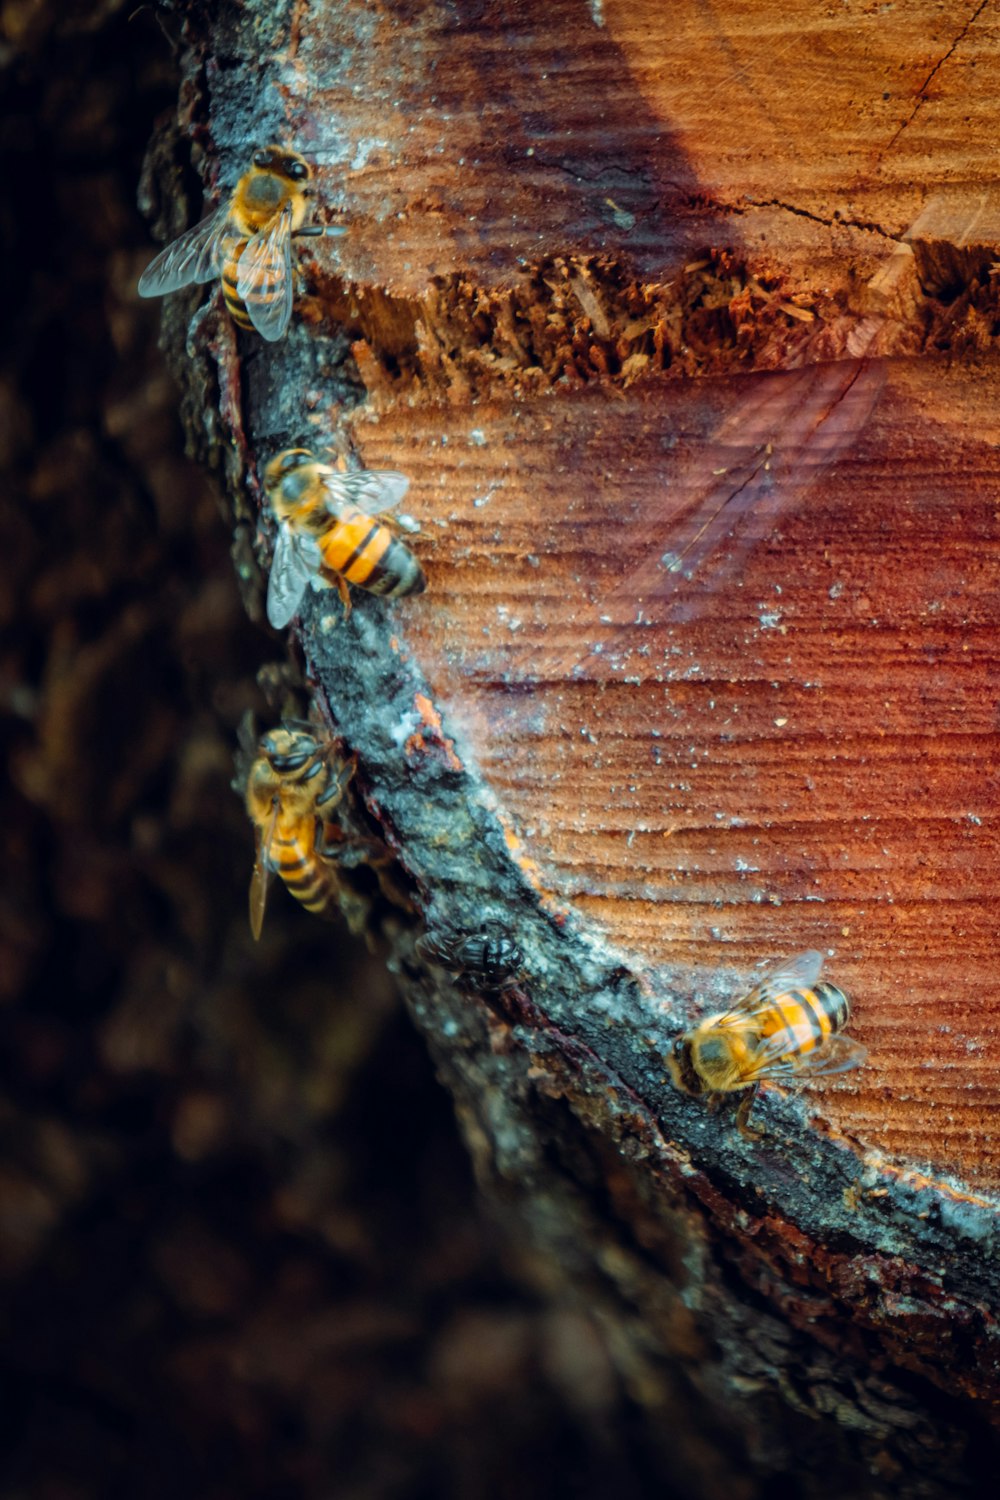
(834, 221)
(921, 99)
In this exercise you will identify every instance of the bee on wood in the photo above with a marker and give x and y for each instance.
(327, 534)
(292, 789)
(489, 959)
(786, 1031)
(248, 243)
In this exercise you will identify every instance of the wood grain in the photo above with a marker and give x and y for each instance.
(798, 748)
(478, 137)
(622, 286)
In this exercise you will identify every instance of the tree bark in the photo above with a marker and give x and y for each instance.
(625, 284)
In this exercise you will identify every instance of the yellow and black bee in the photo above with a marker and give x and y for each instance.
(327, 534)
(292, 789)
(248, 243)
(786, 1031)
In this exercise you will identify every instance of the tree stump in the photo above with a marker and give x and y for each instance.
(682, 323)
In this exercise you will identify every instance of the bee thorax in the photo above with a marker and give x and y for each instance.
(265, 192)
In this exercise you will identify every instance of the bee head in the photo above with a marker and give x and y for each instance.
(283, 162)
(285, 463)
(713, 1050)
(288, 750)
(680, 1067)
(500, 952)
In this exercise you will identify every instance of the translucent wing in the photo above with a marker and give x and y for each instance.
(779, 1061)
(371, 490)
(778, 442)
(721, 493)
(192, 259)
(246, 752)
(800, 972)
(316, 731)
(264, 277)
(296, 560)
(261, 879)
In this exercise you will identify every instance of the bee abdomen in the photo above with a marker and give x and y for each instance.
(397, 574)
(303, 874)
(809, 1016)
(366, 553)
(835, 1004)
(314, 887)
(235, 306)
(260, 287)
(236, 309)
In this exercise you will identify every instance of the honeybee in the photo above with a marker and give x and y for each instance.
(489, 958)
(786, 1030)
(327, 535)
(248, 243)
(292, 789)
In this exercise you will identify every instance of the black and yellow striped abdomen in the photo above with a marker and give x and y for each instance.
(807, 1017)
(367, 553)
(293, 857)
(232, 248)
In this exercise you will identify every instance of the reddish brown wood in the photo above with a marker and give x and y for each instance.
(809, 761)
(485, 136)
(610, 267)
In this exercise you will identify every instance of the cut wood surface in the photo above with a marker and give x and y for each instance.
(801, 754)
(481, 137)
(682, 321)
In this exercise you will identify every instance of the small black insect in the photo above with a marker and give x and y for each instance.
(489, 959)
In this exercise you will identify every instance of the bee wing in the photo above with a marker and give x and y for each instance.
(800, 972)
(723, 494)
(264, 277)
(246, 752)
(779, 1061)
(295, 562)
(262, 872)
(775, 445)
(192, 259)
(371, 490)
(318, 732)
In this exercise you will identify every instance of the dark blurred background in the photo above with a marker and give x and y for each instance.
(240, 1249)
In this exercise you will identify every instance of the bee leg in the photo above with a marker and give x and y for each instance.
(333, 845)
(743, 1115)
(401, 525)
(345, 595)
(334, 793)
(315, 230)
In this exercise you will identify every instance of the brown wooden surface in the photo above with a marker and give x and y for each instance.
(800, 749)
(810, 760)
(478, 135)
(608, 270)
